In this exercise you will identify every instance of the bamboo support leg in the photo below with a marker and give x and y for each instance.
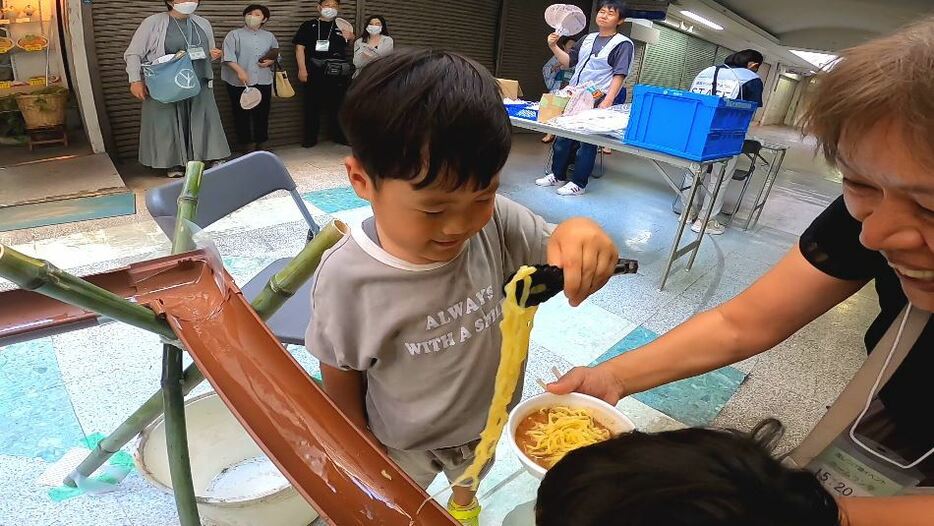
(176, 433)
(176, 437)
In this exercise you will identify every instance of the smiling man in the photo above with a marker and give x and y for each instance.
(874, 117)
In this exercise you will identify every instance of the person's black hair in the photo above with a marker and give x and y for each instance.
(617, 5)
(690, 477)
(741, 59)
(431, 112)
(322, 1)
(382, 20)
(254, 7)
(562, 41)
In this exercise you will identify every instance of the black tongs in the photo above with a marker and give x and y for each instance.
(548, 281)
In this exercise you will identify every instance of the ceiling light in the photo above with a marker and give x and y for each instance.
(701, 20)
(821, 60)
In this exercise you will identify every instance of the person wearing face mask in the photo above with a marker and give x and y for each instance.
(374, 43)
(321, 53)
(877, 439)
(249, 55)
(172, 134)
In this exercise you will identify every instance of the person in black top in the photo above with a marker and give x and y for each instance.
(874, 117)
(324, 69)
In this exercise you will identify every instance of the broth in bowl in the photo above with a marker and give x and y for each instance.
(547, 435)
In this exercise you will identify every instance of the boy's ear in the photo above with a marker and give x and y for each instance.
(359, 180)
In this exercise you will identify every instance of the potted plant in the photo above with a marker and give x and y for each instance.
(43, 108)
(12, 128)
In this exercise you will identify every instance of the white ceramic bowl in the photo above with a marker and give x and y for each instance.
(603, 413)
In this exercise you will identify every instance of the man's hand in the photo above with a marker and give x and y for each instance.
(303, 75)
(266, 63)
(586, 254)
(216, 54)
(553, 39)
(596, 381)
(244, 77)
(138, 89)
(606, 103)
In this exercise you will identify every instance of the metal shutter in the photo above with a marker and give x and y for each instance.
(115, 21)
(698, 57)
(638, 57)
(664, 60)
(524, 46)
(469, 28)
(722, 53)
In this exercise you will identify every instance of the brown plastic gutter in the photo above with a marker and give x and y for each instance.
(326, 458)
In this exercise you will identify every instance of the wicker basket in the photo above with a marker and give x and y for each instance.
(46, 110)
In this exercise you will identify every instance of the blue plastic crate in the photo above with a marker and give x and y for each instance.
(522, 111)
(689, 125)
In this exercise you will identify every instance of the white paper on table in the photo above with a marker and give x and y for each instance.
(608, 121)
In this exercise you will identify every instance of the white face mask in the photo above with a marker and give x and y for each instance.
(374, 30)
(253, 21)
(185, 8)
(329, 13)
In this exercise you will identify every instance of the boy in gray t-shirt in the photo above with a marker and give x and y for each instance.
(406, 310)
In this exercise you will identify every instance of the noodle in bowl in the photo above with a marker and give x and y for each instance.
(603, 414)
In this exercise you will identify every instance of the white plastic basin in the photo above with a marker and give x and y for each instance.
(603, 413)
(235, 483)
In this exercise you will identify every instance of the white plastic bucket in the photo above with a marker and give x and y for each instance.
(235, 483)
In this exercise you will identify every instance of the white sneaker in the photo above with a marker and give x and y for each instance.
(175, 173)
(548, 180)
(714, 227)
(570, 189)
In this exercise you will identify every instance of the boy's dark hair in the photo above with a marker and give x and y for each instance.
(426, 111)
(254, 7)
(617, 5)
(323, 1)
(382, 20)
(696, 477)
(741, 59)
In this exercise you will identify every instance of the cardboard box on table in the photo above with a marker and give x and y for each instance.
(551, 106)
(510, 88)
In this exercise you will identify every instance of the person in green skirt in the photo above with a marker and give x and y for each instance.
(172, 134)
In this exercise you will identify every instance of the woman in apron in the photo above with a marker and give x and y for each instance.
(172, 134)
(873, 116)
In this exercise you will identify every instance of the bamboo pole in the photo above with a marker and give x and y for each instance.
(41, 276)
(173, 398)
(289, 280)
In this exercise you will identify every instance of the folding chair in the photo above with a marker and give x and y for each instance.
(224, 190)
(751, 150)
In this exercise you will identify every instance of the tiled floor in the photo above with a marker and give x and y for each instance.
(57, 391)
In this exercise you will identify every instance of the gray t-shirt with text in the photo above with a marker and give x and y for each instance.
(426, 336)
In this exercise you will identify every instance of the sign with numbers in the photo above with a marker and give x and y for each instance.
(844, 475)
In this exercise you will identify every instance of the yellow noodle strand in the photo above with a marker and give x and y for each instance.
(516, 329)
(565, 430)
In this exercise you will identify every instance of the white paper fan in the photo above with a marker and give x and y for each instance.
(566, 19)
(345, 26)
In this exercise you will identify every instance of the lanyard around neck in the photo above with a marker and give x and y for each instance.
(872, 394)
(191, 31)
(330, 32)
